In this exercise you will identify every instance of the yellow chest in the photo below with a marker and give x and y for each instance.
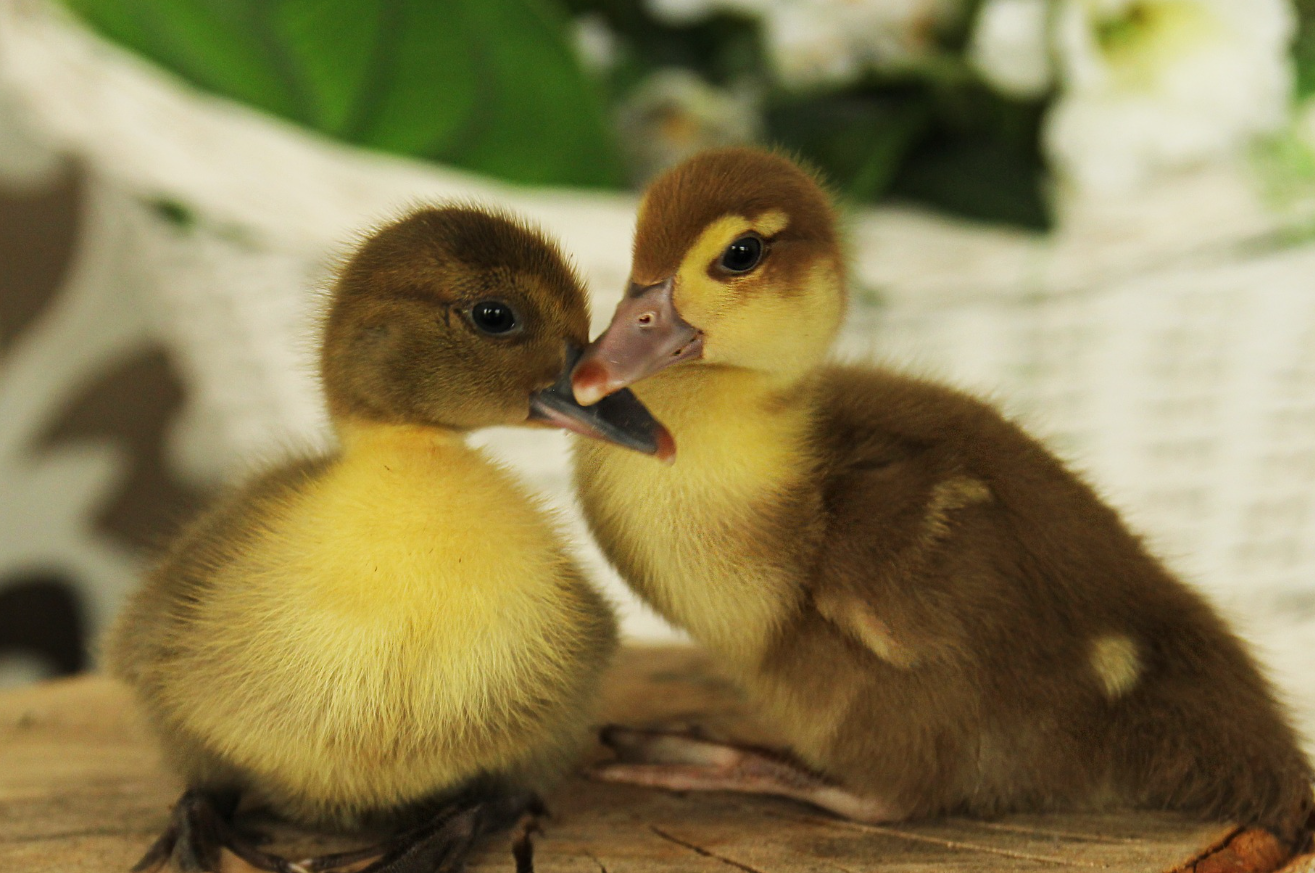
(696, 539)
(404, 616)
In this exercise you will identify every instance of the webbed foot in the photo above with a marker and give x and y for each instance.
(200, 828)
(688, 762)
(443, 843)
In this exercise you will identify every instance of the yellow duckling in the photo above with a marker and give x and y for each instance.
(937, 614)
(394, 633)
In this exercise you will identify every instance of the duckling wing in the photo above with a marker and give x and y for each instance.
(911, 530)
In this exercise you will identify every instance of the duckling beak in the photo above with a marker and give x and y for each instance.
(619, 418)
(647, 334)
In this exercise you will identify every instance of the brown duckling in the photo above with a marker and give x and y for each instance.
(935, 612)
(393, 634)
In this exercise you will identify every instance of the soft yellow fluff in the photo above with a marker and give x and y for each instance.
(391, 629)
(1116, 663)
(684, 535)
(784, 335)
(687, 527)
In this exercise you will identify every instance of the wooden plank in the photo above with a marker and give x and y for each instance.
(82, 789)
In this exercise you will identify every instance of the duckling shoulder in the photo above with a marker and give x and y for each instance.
(943, 516)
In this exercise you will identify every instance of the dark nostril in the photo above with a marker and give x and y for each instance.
(646, 320)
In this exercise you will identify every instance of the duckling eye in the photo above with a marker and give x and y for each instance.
(493, 316)
(742, 255)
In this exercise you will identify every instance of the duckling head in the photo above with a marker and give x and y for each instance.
(737, 263)
(461, 318)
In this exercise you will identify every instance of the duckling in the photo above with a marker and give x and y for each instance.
(393, 634)
(934, 613)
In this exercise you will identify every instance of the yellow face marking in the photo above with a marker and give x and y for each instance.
(771, 223)
(746, 320)
(707, 249)
(1116, 663)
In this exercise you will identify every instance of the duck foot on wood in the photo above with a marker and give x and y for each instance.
(443, 843)
(680, 761)
(199, 830)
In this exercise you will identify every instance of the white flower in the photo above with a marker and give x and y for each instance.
(680, 12)
(1010, 46)
(1150, 85)
(833, 42)
(674, 114)
(595, 44)
(810, 46)
(813, 43)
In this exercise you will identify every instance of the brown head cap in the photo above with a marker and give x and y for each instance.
(748, 182)
(450, 316)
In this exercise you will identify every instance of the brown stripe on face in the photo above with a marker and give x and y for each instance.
(681, 204)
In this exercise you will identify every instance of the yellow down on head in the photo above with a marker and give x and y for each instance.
(751, 321)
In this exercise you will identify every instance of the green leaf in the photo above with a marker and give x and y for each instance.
(980, 159)
(986, 180)
(959, 149)
(858, 140)
(1303, 48)
(487, 85)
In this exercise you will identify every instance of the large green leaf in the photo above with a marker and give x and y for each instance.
(980, 159)
(489, 85)
(1303, 48)
(859, 141)
(958, 149)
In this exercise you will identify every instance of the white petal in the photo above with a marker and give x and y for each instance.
(681, 11)
(1194, 84)
(808, 47)
(1010, 46)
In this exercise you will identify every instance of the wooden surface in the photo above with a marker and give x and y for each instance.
(81, 789)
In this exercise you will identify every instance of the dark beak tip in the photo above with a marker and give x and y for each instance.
(618, 418)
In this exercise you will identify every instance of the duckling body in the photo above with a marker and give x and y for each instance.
(936, 614)
(388, 625)
(373, 635)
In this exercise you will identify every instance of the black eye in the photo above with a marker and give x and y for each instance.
(742, 255)
(493, 316)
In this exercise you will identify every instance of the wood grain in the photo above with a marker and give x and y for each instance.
(82, 789)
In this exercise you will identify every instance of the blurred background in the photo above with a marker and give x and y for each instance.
(1098, 213)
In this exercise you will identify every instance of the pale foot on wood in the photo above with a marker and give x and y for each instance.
(687, 762)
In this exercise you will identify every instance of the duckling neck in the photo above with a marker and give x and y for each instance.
(751, 425)
(421, 502)
(379, 440)
(710, 541)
